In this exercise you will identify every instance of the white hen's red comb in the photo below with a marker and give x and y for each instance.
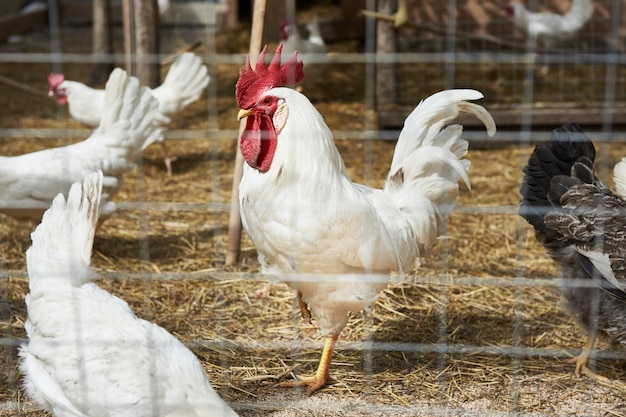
(253, 82)
(54, 79)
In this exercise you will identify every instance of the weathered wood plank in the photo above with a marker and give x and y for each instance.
(549, 118)
(15, 24)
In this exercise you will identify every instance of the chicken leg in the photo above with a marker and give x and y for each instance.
(321, 375)
(304, 308)
(583, 358)
(168, 159)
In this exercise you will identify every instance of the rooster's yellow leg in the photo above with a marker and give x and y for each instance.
(321, 376)
(304, 308)
(583, 358)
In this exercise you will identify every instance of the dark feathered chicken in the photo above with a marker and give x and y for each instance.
(581, 223)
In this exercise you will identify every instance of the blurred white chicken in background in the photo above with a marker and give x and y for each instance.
(619, 177)
(164, 6)
(545, 29)
(308, 219)
(183, 84)
(29, 182)
(292, 42)
(88, 354)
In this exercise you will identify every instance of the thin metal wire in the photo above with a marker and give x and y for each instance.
(344, 58)
(522, 57)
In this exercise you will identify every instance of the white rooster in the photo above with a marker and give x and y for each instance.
(29, 182)
(88, 354)
(183, 84)
(305, 215)
(546, 28)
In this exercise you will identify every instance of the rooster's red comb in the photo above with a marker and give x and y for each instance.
(253, 82)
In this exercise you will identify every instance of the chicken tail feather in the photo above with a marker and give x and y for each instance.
(429, 152)
(128, 124)
(550, 163)
(183, 84)
(62, 243)
(425, 125)
(428, 162)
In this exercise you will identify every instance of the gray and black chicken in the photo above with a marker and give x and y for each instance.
(582, 225)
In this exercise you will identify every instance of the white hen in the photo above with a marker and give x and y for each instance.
(88, 354)
(292, 42)
(29, 182)
(619, 177)
(183, 84)
(546, 28)
(306, 216)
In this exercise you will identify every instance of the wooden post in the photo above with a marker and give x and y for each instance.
(141, 40)
(102, 42)
(232, 13)
(271, 26)
(386, 91)
(129, 41)
(351, 20)
(233, 247)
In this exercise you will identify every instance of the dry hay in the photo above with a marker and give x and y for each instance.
(247, 344)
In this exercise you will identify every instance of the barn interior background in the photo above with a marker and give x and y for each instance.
(478, 329)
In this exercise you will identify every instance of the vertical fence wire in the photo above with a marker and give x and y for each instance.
(519, 69)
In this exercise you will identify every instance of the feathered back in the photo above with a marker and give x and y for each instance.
(579, 13)
(567, 145)
(88, 354)
(581, 212)
(62, 243)
(183, 84)
(254, 82)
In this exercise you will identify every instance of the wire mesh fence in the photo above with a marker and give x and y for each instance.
(477, 328)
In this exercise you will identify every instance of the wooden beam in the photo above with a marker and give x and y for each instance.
(141, 40)
(24, 87)
(16, 24)
(102, 41)
(233, 246)
(386, 86)
(393, 118)
(180, 13)
(271, 26)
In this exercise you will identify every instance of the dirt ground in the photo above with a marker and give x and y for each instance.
(477, 331)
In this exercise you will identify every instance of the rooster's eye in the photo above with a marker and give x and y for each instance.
(267, 100)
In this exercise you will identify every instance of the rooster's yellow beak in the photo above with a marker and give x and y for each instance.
(243, 113)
